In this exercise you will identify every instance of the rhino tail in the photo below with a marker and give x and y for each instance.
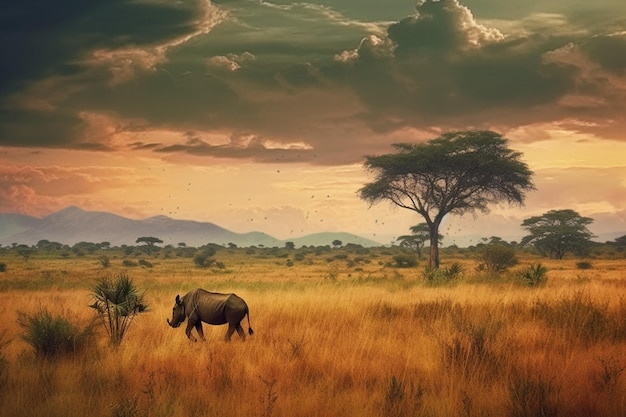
(250, 331)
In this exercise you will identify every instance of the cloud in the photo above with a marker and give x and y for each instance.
(443, 25)
(440, 67)
(109, 73)
(231, 62)
(37, 190)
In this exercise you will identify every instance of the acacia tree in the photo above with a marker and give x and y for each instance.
(557, 232)
(457, 173)
(417, 239)
(150, 243)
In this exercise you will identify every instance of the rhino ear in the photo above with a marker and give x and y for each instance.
(178, 301)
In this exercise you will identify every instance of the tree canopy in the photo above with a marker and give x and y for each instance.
(457, 173)
(420, 234)
(558, 232)
(150, 243)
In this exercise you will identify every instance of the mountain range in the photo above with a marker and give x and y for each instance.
(73, 224)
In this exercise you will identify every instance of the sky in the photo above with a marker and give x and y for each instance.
(258, 115)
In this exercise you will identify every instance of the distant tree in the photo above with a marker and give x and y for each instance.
(232, 245)
(150, 244)
(46, 245)
(203, 257)
(456, 173)
(620, 242)
(558, 232)
(337, 243)
(496, 240)
(420, 234)
(43, 243)
(81, 247)
(128, 250)
(290, 245)
(182, 245)
(25, 251)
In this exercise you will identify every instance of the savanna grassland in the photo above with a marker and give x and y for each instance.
(348, 335)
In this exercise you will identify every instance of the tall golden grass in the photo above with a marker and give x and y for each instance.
(331, 339)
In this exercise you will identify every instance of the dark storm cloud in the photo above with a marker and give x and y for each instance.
(304, 80)
(440, 67)
(42, 38)
(47, 44)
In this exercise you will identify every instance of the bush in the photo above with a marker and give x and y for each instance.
(584, 265)
(129, 263)
(118, 302)
(443, 275)
(497, 258)
(145, 263)
(3, 267)
(203, 258)
(405, 260)
(51, 336)
(534, 275)
(105, 261)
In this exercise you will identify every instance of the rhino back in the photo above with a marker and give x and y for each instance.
(212, 307)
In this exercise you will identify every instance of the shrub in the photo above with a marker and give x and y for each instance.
(452, 272)
(497, 258)
(580, 316)
(534, 275)
(51, 336)
(203, 258)
(105, 261)
(145, 263)
(118, 302)
(129, 263)
(583, 265)
(443, 275)
(3, 267)
(405, 260)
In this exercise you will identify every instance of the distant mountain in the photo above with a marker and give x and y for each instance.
(73, 224)
(12, 224)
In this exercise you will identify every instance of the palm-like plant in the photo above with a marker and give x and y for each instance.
(117, 301)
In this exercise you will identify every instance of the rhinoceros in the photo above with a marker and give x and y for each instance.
(213, 308)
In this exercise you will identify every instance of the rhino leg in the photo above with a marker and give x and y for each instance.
(200, 331)
(188, 330)
(240, 332)
(229, 332)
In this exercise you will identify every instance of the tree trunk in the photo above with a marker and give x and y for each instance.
(434, 247)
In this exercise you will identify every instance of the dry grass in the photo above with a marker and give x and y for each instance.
(331, 339)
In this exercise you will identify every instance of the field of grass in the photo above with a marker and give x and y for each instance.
(348, 335)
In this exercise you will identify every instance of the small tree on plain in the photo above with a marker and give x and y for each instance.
(557, 232)
(117, 302)
(150, 243)
(417, 239)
